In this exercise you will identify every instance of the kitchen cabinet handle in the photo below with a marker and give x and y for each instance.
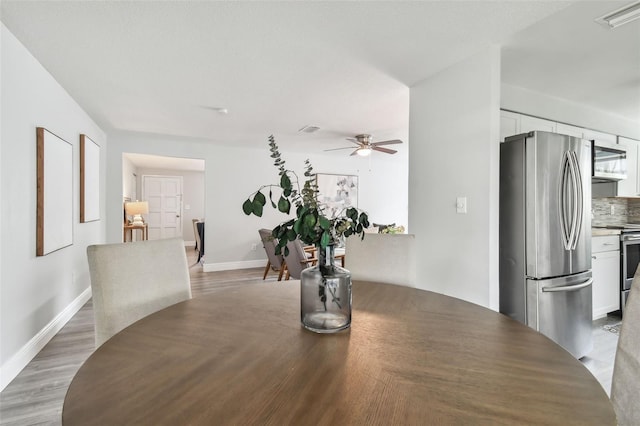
(609, 244)
(594, 257)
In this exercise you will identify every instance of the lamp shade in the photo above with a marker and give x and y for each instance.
(137, 207)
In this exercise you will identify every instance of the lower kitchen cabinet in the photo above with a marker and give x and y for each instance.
(606, 276)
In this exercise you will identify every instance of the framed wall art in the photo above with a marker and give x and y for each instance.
(54, 216)
(89, 180)
(337, 192)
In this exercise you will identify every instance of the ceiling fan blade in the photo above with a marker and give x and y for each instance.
(390, 142)
(355, 152)
(336, 149)
(385, 150)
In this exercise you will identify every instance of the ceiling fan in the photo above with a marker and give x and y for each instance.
(365, 146)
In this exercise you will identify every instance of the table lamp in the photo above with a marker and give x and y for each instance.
(136, 209)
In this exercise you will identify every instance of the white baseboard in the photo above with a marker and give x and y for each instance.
(227, 266)
(189, 243)
(16, 363)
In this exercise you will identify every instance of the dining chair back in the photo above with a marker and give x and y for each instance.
(625, 385)
(132, 280)
(195, 233)
(274, 261)
(297, 260)
(383, 258)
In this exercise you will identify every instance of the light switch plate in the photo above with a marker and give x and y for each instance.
(461, 205)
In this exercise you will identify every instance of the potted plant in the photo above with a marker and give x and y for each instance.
(325, 295)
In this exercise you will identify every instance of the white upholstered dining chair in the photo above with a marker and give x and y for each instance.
(383, 258)
(132, 280)
(625, 385)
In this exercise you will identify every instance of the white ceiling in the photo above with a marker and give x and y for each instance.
(160, 67)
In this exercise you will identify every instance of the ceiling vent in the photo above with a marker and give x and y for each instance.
(621, 16)
(309, 129)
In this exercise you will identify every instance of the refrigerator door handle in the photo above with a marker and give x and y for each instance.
(574, 287)
(577, 200)
(562, 202)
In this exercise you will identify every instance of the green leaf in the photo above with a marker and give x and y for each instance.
(324, 240)
(324, 223)
(291, 235)
(247, 207)
(257, 208)
(271, 199)
(310, 219)
(284, 205)
(296, 226)
(285, 182)
(259, 198)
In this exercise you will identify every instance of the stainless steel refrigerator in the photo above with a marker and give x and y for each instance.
(545, 236)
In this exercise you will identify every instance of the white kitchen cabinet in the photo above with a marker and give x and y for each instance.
(528, 124)
(593, 135)
(509, 124)
(567, 129)
(630, 187)
(512, 123)
(606, 274)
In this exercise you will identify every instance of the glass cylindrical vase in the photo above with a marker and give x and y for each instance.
(325, 294)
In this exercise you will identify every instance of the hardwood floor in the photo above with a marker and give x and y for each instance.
(36, 395)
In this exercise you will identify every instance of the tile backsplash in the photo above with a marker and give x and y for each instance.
(625, 210)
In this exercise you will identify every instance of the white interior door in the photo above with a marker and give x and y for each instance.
(164, 194)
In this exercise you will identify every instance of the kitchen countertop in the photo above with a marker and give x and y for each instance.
(601, 232)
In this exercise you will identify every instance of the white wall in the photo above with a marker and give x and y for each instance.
(193, 195)
(232, 174)
(533, 103)
(129, 174)
(454, 151)
(37, 294)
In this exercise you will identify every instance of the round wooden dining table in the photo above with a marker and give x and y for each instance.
(411, 357)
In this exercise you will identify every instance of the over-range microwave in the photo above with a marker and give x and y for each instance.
(609, 162)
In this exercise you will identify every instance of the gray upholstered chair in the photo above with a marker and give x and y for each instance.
(383, 258)
(625, 385)
(132, 280)
(298, 259)
(274, 261)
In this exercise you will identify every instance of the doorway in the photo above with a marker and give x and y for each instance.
(164, 195)
(189, 206)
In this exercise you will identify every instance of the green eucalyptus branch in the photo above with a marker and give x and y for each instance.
(311, 225)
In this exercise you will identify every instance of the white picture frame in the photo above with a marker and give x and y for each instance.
(89, 180)
(54, 227)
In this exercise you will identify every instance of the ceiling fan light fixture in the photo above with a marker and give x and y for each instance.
(309, 129)
(620, 16)
(363, 152)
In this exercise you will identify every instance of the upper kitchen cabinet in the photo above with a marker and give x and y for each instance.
(630, 187)
(528, 124)
(593, 135)
(509, 124)
(567, 129)
(512, 123)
